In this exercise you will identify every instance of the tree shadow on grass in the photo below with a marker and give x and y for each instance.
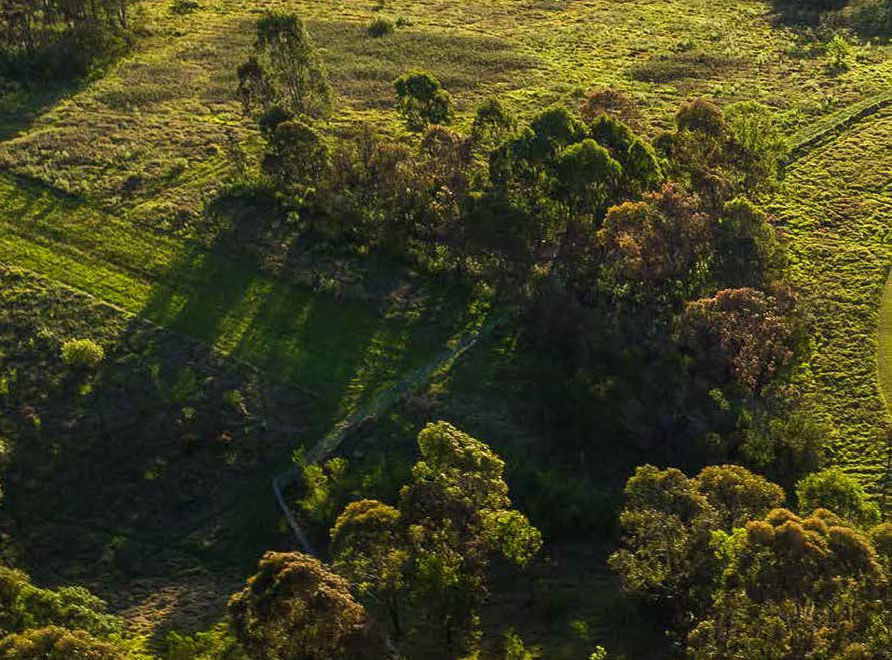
(21, 105)
(149, 481)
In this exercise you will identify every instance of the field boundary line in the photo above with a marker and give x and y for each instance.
(804, 140)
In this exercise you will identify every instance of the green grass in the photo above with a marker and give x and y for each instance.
(140, 481)
(343, 351)
(121, 140)
(837, 213)
(884, 355)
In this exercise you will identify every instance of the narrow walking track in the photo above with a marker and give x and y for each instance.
(412, 382)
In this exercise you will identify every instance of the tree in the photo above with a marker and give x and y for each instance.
(660, 244)
(668, 522)
(369, 549)
(456, 513)
(294, 608)
(743, 336)
(285, 72)
(56, 643)
(640, 167)
(737, 494)
(422, 100)
(747, 250)
(795, 588)
(835, 490)
(492, 124)
(587, 176)
(723, 155)
(23, 606)
(758, 145)
(297, 155)
(58, 39)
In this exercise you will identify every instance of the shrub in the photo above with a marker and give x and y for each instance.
(380, 27)
(874, 18)
(613, 102)
(422, 101)
(834, 490)
(183, 6)
(839, 51)
(82, 353)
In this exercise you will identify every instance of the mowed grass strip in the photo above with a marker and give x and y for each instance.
(336, 349)
(884, 358)
(837, 214)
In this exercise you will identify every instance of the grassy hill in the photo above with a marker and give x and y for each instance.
(103, 233)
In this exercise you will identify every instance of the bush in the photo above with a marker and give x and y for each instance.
(874, 19)
(183, 6)
(380, 27)
(834, 490)
(421, 100)
(82, 354)
(839, 52)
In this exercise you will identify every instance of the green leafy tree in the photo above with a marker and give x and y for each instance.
(668, 522)
(456, 512)
(23, 606)
(56, 643)
(493, 123)
(297, 154)
(795, 588)
(286, 71)
(758, 145)
(421, 100)
(737, 494)
(833, 489)
(294, 608)
(746, 247)
(369, 548)
(588, 176)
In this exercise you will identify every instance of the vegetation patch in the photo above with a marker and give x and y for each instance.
(837, 214)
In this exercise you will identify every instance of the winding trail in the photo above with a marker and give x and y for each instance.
(412, 382)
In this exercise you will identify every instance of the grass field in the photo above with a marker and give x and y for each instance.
(147, 141)
(312, 341)
(102, 188)
(837, 212)
(140, 482)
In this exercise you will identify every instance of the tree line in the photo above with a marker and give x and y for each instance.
(608, 242)
(60, 39)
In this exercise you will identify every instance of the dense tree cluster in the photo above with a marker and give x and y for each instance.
(744, 578)
(60, 38)
(70, 622)
(609, 244)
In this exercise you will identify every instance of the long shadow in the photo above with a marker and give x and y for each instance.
(21, 105)
(149, 481)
